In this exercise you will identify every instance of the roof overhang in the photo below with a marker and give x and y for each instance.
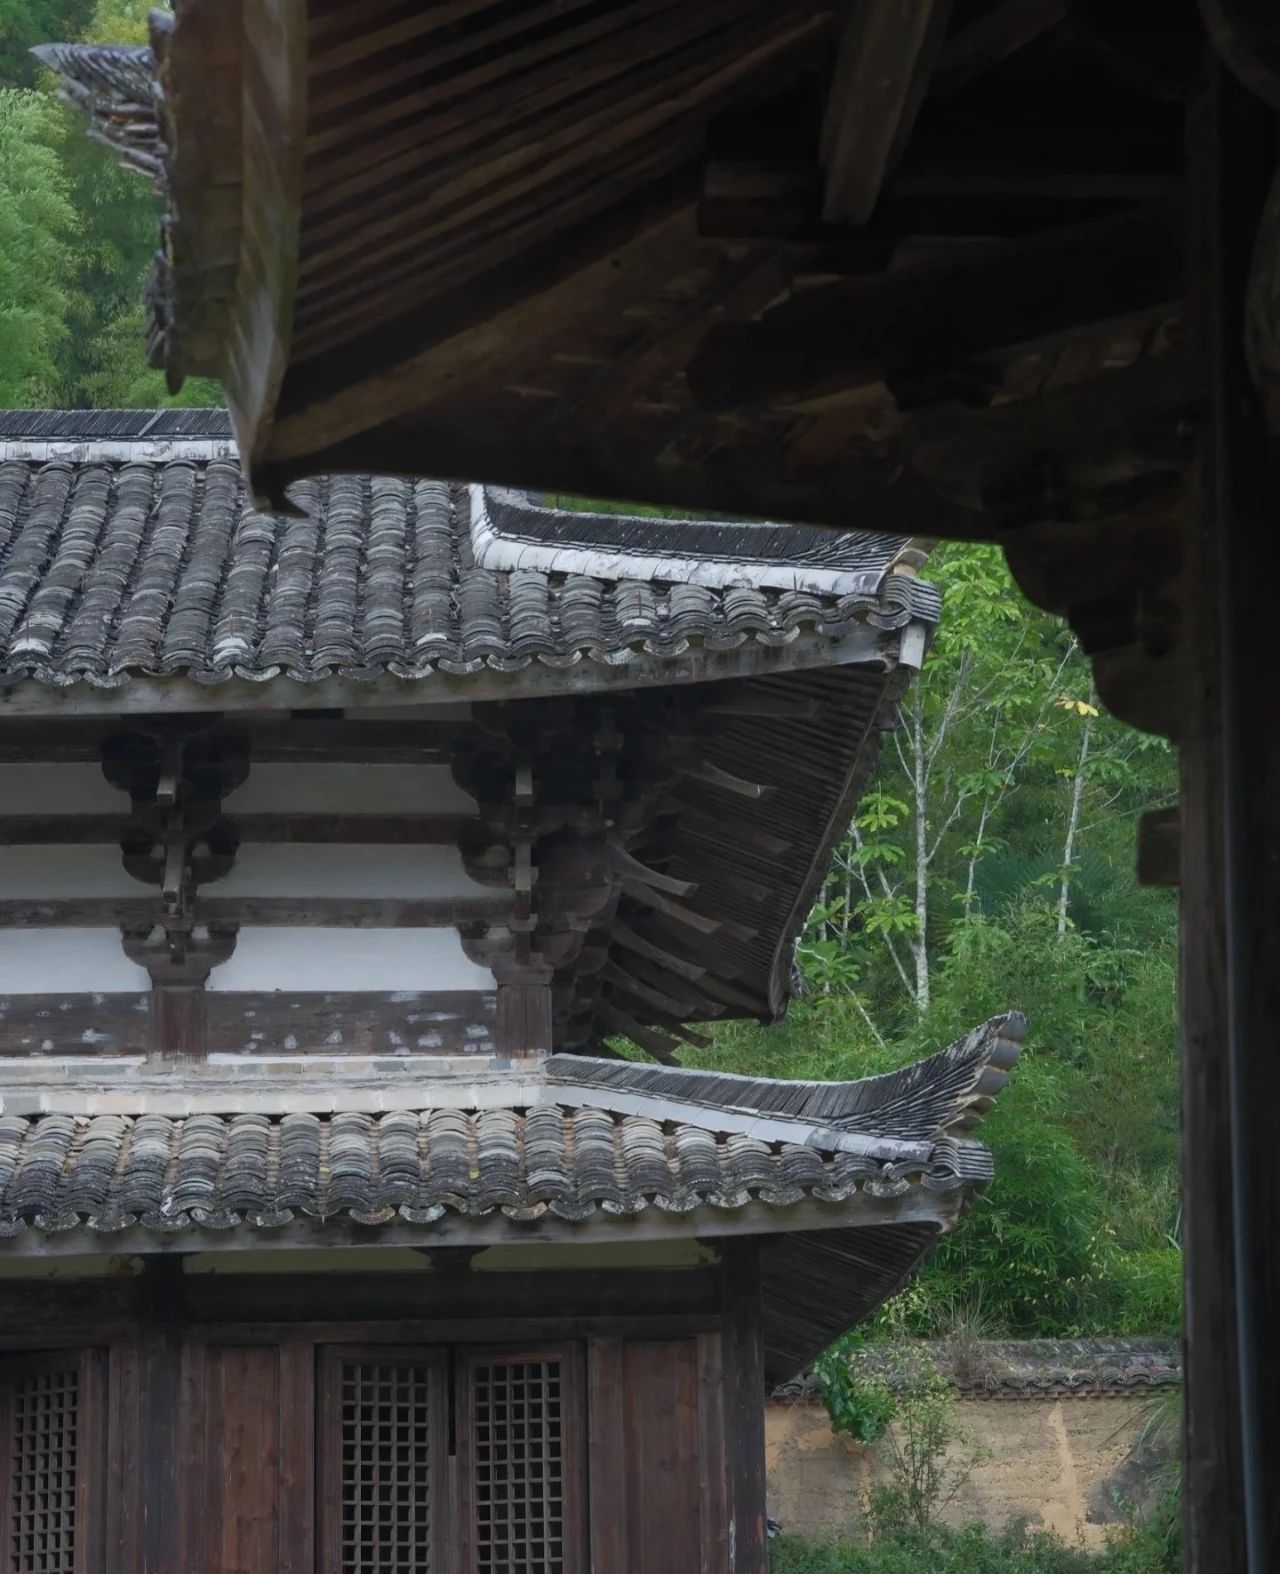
(143, 694)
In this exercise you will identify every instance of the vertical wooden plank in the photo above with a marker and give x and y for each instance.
(328, 1405)
(179, 1020)
(297, 1459)
(124, 1448)
(662, 1466)
(712, 1522)
(743, 1354)
(92, 1465)
(244, 1461)
(193, 1450)
(606, 1453)
(159, 1487)
(1230, 881)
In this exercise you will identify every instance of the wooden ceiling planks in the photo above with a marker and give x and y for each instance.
(580, 245)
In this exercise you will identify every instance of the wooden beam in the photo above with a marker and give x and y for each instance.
(886, 57)
(274, 118)
(1246, 35)
(656, 1044)
(683, 966)
(1144, 413)
(328, 912)
(1000, 31)
(935, 315)
(744, 1390)
(1231, 889)
(281, 740)
(432, 830)
(636, 874)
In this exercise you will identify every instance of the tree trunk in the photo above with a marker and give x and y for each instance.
(1073, 820)
(975, 855)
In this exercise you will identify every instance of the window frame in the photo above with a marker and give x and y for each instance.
(330, 1359)
(571, 1356)
(90, 1365)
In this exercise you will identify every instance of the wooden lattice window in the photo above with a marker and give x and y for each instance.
(520, 1461)
(50, 1464)
(384, 1461)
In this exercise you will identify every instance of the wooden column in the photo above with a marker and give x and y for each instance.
(159, 1417)
(743, 1355)
(1230, 883)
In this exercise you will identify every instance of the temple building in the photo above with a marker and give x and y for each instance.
(342, 856)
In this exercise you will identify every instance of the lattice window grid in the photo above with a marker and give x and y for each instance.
(386, 1465)
(41, 1490)
(518, 1460)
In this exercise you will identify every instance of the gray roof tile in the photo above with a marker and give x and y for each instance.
(124, 554)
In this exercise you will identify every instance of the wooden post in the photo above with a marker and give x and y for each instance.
(1230, 881)
(744, 1408)
(160, 1409)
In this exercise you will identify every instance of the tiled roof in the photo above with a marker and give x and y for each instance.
(567, 1144)
(586, 1141)
(1032, 1368)
(111, 1172)
(128, 550)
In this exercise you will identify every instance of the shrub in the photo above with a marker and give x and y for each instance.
(859, 1403)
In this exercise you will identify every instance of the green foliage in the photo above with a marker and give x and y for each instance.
(24, 23)
(928, 1462)
(860, 1403)
(37, 260)
(1078, 1234)
(77, 231)
(1152, 1548)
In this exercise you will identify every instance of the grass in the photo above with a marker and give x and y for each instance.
(1150, 1548)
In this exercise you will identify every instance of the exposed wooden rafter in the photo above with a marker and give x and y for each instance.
(886, 57)
(935, 315)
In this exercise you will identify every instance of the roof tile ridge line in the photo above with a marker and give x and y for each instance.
(743, 1122)
(989, 1050)
(495, 551)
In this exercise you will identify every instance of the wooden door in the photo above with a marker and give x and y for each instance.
(248, 1459)
(657, 1457)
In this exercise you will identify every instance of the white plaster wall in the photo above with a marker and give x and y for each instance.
(58, 789)
(344, 869)
(349, 959)
(350, 789)
(66, 871)
(52, 961)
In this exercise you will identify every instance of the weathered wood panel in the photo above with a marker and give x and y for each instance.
(47, 829)
(661, 1449)
(744, 1408)
(235, 1519)
(169, 1450)
(459, 1022)
(325, 912)
(352, 1297)
(75, 1024)
(606, 1450)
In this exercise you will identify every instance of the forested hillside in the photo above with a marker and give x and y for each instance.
(990, 866)
(76, 231)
